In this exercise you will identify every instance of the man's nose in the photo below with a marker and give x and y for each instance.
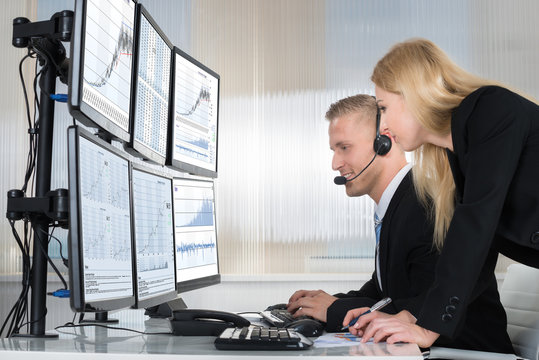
(336, 162)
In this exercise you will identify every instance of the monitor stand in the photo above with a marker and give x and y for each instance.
(165, 309)
(101, 318)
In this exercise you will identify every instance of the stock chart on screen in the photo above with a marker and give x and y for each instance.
(196, 240)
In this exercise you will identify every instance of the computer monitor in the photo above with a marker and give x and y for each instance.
(196, 235)
(149, 118)
(154, 247)
(194, 117)
(99, 241)
(101, 64)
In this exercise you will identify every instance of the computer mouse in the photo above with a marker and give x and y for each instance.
(307, 327)
(277, 307)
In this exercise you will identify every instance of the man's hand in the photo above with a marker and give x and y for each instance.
(303, 293)
(313, 303)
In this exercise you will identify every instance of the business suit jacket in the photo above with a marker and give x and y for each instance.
(495, 164)
(407, 262)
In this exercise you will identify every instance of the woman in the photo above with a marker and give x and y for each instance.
(477, 157)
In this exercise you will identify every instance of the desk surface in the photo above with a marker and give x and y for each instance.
(93, 342)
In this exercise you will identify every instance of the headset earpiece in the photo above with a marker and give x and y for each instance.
(382, 143)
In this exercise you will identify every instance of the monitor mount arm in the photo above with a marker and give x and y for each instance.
(54, 206)
(44, 38)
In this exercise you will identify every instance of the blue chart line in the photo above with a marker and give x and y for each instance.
(201, 216)
(193, 254)
(191, 153)
(193, 248)
(193, 140)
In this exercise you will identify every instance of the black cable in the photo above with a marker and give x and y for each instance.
(112, 328)
(19, 308)
(47, 255)
(24, 88)
(31, 132)
(22, 312)
(35, 128)
(33, 321)
(250, 312)
(64, 260)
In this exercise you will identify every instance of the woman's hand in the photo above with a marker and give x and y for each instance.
(359, 327)
(392, 330)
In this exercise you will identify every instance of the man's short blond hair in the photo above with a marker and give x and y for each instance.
(362, 104)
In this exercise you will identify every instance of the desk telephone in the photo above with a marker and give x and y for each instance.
(199, 322)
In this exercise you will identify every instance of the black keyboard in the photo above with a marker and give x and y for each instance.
(280, 317)
(260, 338)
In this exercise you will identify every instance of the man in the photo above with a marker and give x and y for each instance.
(405, 258)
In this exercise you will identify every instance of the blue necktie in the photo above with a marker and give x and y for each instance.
(377, 229)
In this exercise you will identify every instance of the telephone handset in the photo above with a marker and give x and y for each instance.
(199, 322)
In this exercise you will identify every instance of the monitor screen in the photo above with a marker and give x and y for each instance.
(194, 116)
(196, 235)
(154, 237)
(152, 89)
(100, 251)
(101, 65)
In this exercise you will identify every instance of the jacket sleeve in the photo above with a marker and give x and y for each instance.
(493, 141)
(369, 290)
(412, 241)
(364, 297)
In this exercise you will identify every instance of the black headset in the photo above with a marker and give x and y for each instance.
(382, 143)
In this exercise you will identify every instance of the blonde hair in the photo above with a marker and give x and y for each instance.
(362, 104)
(432, 86)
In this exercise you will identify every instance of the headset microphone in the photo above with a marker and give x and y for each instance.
(341, 180)
(382, 145)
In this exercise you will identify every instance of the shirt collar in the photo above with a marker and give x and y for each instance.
(381, 208)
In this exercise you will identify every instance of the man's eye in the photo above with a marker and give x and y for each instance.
(382, 108)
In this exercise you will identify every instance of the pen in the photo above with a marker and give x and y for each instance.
(380, 304)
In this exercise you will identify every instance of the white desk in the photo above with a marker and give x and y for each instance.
(101, 343)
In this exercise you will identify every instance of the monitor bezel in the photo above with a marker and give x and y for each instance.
(193, 284)
(168, 296)
(182, 165)
(80, 110)
(133, 146)
(75, 247)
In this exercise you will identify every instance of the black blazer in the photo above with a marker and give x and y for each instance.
(495, 165)
(407, 262)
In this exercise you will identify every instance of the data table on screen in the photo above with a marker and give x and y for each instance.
(153, 89)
